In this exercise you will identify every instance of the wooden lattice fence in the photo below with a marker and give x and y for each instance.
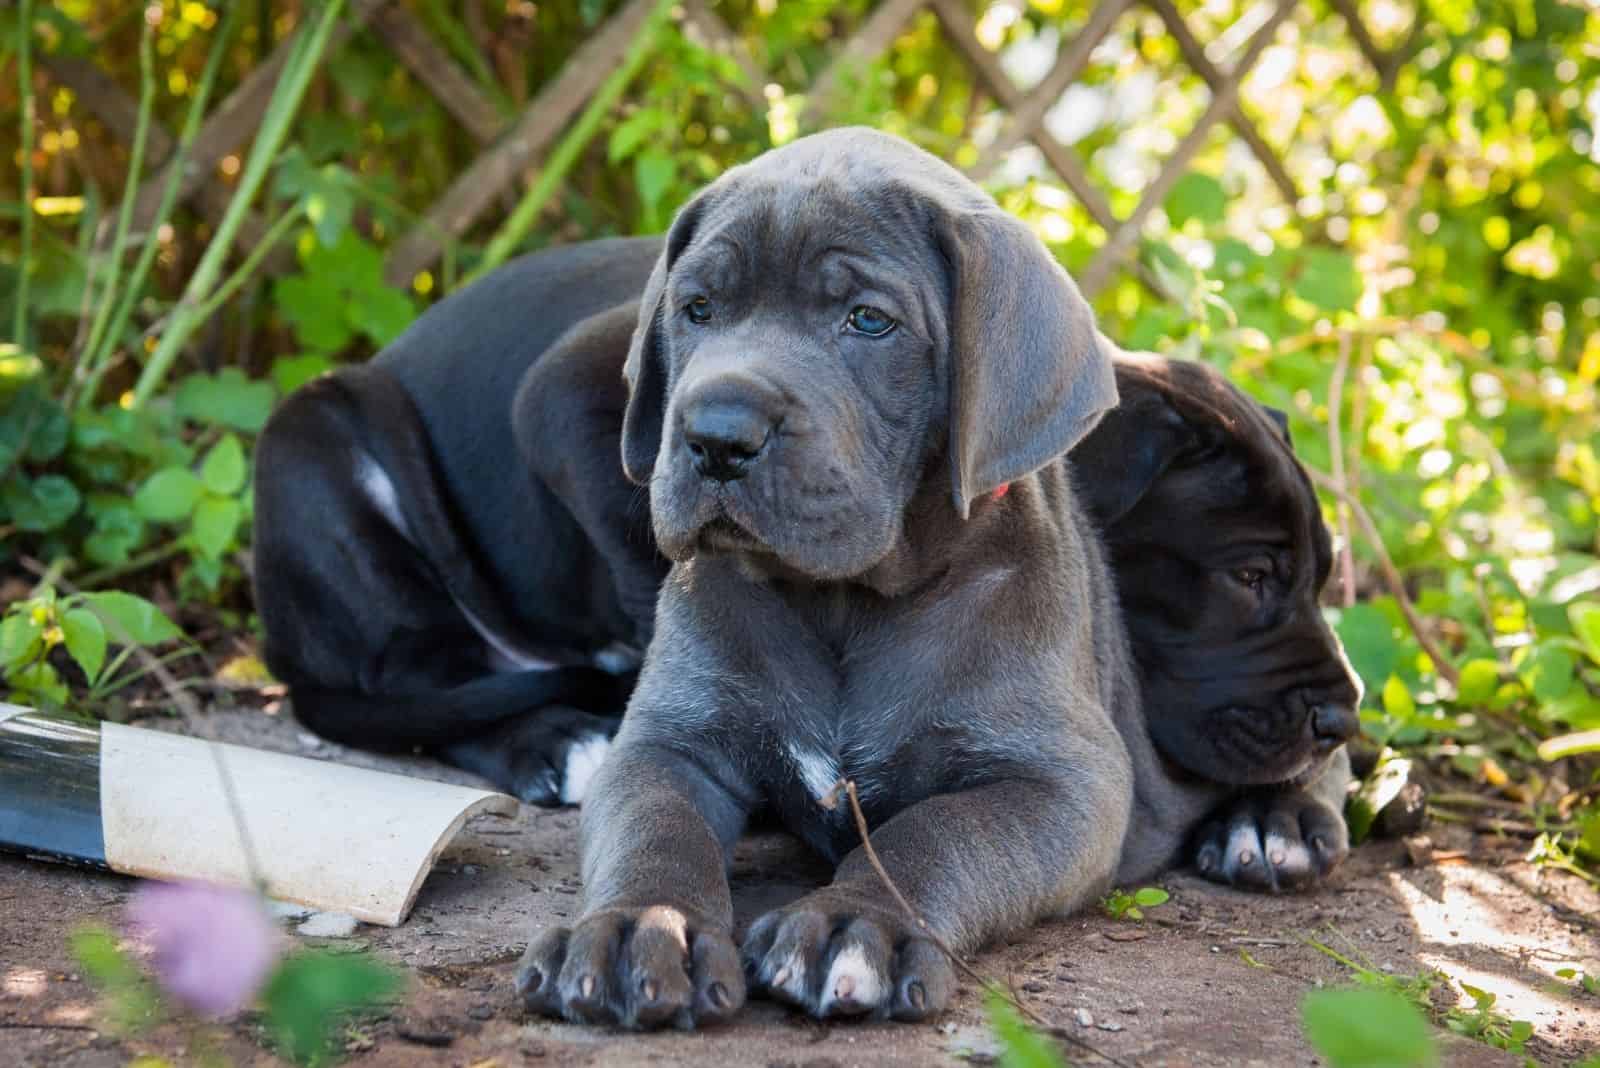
(511, 149)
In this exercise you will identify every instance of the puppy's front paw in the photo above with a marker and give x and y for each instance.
(839, 962)
(634, 968)
(1272, 840)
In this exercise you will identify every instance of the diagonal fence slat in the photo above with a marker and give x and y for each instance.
(512, 145)
(1196, 57)
(1094, 277)
(886, 22)
(1029, 115)
(546, 116)
(435, 69)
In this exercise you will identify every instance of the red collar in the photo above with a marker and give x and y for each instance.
(1000, 491)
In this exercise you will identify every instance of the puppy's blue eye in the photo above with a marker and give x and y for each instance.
(699, 310)
(864, 319)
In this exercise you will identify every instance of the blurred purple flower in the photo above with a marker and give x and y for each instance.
(213, 946)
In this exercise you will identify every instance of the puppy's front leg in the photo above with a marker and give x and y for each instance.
(655, 943)
(973, 864)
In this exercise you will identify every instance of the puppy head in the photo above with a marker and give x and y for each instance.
(1220, 553)
(833, 328)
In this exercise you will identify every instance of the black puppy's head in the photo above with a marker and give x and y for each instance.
(833, 328)
(1220, 553)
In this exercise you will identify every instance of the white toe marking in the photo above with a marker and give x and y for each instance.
(793, 974)
(583, 760)
(853, 978)
(1296, 857)
(818, 771)
(1244, 845)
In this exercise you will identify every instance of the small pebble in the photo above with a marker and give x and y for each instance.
(1109, 1025)
(1033, 986)
(1084, 1017)
(328, 925)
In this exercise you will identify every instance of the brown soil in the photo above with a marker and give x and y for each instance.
(1214, 977)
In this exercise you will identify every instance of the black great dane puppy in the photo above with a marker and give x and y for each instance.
(423, 585)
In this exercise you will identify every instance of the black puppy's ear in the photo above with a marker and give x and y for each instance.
(646, 369)
(1281, 418)
(1115, 466)
(1029, 373)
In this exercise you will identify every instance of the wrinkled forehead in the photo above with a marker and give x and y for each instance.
(820, 231)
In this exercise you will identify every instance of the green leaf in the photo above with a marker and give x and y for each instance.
(292, 372)
(632, 131)
(653, 172)
(118, 529)
(168, 495)
(1478, 681)
(223, 469)
(1367, 1029)
(227, 398)
(40, 683)
(381, 312)
(39, 505)
(1327, 278)
(315, 310)
(312, 990)
(1585, 617)
(131, 618)
(1397, 700)
(1150, 896)
(1369, 641)
(1548, 672)
(19, 637)
(1388, 777)
(1022, 1047)
(1196, 196)
(133, 999)
(85, 639)
(216, 519)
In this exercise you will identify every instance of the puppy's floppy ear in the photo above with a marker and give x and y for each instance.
(1281, 419)
(646, 366)
(1115, 466)
(1029, 374)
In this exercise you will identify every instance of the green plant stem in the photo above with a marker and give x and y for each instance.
(281, 111)
(566, 153)
(98, 360)
(269, 241)
(130, 190)
(25, 94)
(137, 562)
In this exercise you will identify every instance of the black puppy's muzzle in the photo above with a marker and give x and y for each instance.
(1333, 721)
(726, 428)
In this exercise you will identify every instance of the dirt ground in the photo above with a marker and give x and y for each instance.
(1214, 977)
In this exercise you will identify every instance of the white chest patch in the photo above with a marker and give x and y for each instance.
(583, 760)
(817, 770)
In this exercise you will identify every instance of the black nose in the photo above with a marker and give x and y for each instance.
(725, 439)
(1334, 722)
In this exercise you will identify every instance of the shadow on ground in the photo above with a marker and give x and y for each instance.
(1214, 977)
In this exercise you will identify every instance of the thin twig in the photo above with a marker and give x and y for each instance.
(1347, 556)
(847, 787)
(1391, 576)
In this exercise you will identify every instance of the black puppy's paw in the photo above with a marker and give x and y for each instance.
(633, 968)
(834, 961)
(547, 758)
(1274, 840)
